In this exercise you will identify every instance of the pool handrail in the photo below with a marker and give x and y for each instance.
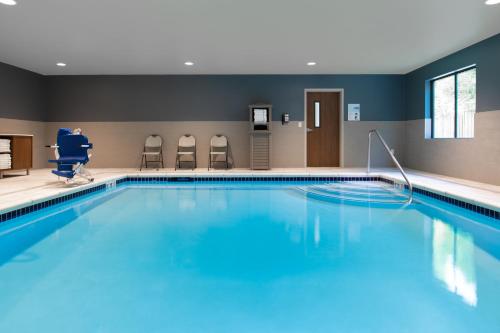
(391, 154)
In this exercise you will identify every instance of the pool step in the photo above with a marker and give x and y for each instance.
(357, 192)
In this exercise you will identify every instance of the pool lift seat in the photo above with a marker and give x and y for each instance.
(71, 152)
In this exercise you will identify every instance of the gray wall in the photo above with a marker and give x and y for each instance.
(22, 107)
(212, 104)
(111, 108)
(485, 55)
(22, 94)
(213, 97)
(477, 158)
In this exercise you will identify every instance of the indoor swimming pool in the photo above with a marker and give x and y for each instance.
(248, 257)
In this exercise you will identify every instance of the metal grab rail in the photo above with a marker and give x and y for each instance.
(374, 131)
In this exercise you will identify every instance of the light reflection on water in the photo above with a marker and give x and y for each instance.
(453, 260)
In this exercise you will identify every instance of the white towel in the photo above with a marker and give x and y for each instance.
(4, 145)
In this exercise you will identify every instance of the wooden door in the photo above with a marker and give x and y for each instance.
(323, 129)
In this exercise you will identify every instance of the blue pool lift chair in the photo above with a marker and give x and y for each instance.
(71, 152)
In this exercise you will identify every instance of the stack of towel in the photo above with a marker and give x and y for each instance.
(5, 161)
(4, 146)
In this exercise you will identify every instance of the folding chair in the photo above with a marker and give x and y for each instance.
(218, 147)
(153, 151)
(186, 151)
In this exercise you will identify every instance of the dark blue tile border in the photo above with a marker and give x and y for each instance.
(244, 179)
(459, 203)
(33, 208)
(165, 179)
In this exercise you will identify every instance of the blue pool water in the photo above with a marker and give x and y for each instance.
(243, 257)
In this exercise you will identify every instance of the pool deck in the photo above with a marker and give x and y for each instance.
(21, 191)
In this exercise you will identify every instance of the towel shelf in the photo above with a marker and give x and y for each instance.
(21, 153)
(260, 136)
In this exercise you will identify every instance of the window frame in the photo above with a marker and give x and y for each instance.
(432, 81)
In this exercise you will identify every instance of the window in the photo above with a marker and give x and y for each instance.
(454, 104)
(316, 114)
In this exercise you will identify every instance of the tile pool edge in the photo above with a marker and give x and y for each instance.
(35, 205)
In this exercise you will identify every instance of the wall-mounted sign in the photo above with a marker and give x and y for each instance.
(353, 112)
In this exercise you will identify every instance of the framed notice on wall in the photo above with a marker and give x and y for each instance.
(353, 112)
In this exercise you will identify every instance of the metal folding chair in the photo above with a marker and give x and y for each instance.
(218, 152)
(186, 151)
(153, 151)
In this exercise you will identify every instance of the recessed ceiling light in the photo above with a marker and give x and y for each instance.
(311, 63)
(492, 2)
(61, 64)
(8, 2)
(189, 63)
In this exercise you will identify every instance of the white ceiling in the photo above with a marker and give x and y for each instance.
(239, 36)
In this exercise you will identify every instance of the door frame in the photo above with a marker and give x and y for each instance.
(341, 121)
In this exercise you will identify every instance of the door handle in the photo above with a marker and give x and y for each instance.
(309, 130)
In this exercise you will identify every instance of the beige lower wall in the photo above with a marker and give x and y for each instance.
(37, 128)
(118, 144)
(476, 159)
(356, 143)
